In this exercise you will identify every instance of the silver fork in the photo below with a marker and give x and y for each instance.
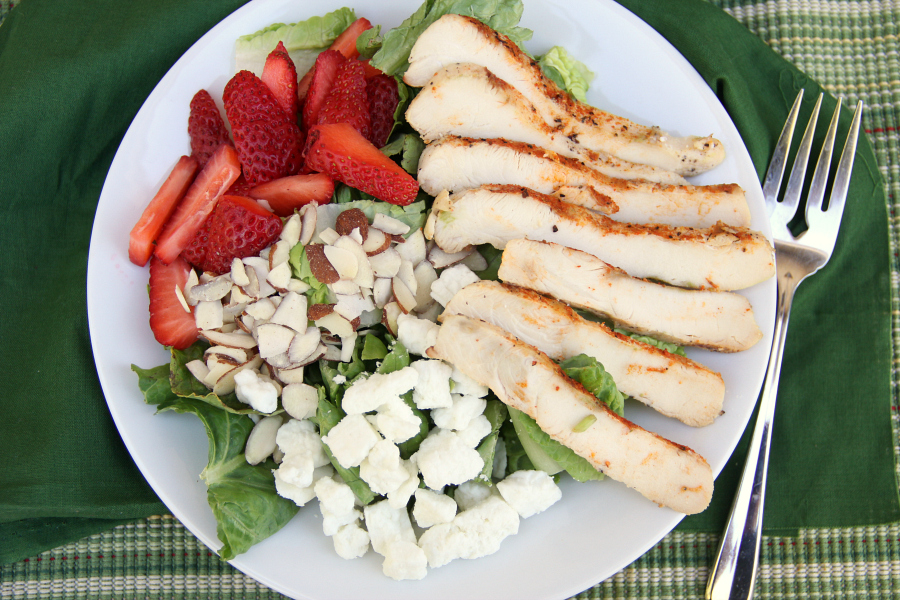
(734, 573)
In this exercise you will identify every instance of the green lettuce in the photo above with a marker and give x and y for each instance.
(567, 72)
(496, 413)
(667, 346)
(392, 56)
(346, 197)
(318, 292)
(242, 497)
(303, 41)
(593, 377)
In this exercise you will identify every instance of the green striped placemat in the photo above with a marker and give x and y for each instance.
(851, 48)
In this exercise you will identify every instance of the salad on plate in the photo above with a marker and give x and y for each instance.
(422, 313)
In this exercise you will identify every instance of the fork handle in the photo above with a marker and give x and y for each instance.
(733, 575)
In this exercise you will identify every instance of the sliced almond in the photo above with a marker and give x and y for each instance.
(252, 289)
(304, 344)
(321, 267)
(192, 280)
(352, 306)
(261, 266)
(261, 441)
(181, 299)
(291, 375)
(213, 290)
(440, 259)
(317, 311)
(228, 327)
(238, 296)
(246, 323)
(336, 324)
(332, 353)
(389, 318)
(261, 310)
(345, 287)
(347, 344)
(214, 360)
(308, 215)
(318, 353)
(389, 224)
(344, 261)
(414, 249)
(407, 274)
(382, 292)
(376, 242)
(291, 312)
(225, 383)
(475, 261)
(405, 298)
(290, 231)
(232, 340)
(328, 235)
(218, 370)
(280, 361)
(364, 276)
(300, 287)
(300, 400)
(352, 219)
(273, 339)
(425, 276)
(199, 370)
(280, 253)
(386, 263)
(280, 276)
(239, 355)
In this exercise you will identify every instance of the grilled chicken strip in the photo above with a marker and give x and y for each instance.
(672, 385)
(456, 164)
(719, 257)
(460, 39)
(526, 379)
(469, 101)
(721, 321)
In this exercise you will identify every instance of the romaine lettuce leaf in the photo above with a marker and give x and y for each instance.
(593, 377)
(496, 413)
(667, 346)
(318, 292)
(547, 454)
(567, 72)
(393, 55)
(242, 496)
(303, 41)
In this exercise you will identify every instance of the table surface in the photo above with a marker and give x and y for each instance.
(851, 48)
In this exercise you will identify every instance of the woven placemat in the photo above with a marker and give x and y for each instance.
(852, 50)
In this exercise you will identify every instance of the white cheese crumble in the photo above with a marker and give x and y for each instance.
(529, 492)
(432, 508)
(367, 395)
(253, 390)
(351, 440)
(444, 459)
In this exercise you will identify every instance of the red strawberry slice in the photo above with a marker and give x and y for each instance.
(240, 187)
(171, 324)
(344, 154)
(280, 75)
(347, 101)
(384, 98)
(344, 44)
(195, 253)
(239, 228)
(287, 194)
(205, 127)
(268, 141)
(217, 176)
(157, 213)
(323, 75)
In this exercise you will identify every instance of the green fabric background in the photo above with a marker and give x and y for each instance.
(73, 75)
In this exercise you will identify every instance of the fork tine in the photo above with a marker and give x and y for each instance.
(820, 177)
(775, 172)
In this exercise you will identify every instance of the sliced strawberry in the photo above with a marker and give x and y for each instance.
(323, 74)
(195, 253)
(347, 101)
(240, 187)
(345, 44)
(205, 127)
(290, 193)
(384, 98)
(280, 75)
(268, 141)
(171, 324)
(340, 151)
(217, 176)
(157, 213)
(239, 228)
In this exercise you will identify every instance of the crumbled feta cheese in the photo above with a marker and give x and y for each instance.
(475, 431)
(444, 459)
(396, 421)
(399, 498)
(251, 389)
(300, 495)
(336, 501)
(460, 413)
(529, 492)
(339, 379)
(387, 524)
(471, 494)
(452, 280)
(303, 452)
(433, 388)
(432, 508)
(465, 385)
(370, 393)
(404, 560)
(472, 533)
(382, 469)
(418, 335)
(351, 541)
(351, 440)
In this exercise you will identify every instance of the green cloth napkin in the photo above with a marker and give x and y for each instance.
(72, 77)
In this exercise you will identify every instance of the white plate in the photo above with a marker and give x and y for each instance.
(597, 528)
